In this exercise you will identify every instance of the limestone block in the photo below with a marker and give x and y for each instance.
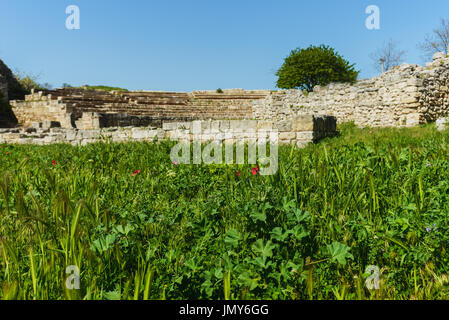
(10, 137)
(139, 133)
(205, 125)
(442, 124)
(215, 126)
(438, 56)
(36, 125)
(152, 133)
(90, 134)
(287, 135)
(160, 134)
(243, 125)
(284, 126)
(224, 125)
(413, 119)
(264, 125)
(169, 125)
(71, 135)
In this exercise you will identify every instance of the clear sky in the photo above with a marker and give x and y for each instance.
(199, 44)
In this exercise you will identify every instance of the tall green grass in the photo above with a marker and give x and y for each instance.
(369, 197)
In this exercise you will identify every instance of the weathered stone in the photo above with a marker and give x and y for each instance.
(386, 100)
(287, 135)
(284, 126)
(438, 56)
(264, 125)
(303, 123)
(244, 133)
(138, 133)
(442, 124)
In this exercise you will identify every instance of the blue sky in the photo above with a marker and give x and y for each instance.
(198, 44)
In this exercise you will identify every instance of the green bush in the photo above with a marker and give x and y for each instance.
(104, 88)
(306, 68)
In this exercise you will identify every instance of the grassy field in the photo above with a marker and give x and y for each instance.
(141, 227)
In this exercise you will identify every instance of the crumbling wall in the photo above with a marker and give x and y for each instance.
(406, 95)
(298, 131)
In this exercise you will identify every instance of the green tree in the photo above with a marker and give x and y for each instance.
(306, 68)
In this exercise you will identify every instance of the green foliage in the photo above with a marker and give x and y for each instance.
(369, 197)
(29, 82)
(306, 68)
(104, 88)
(339, 252)
(219, 90)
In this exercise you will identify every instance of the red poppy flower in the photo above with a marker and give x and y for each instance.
(238, 173)
(7, 153)
(254, 170)
(135, 172)
(53, 162)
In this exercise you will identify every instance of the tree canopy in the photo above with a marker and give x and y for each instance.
(316, 65)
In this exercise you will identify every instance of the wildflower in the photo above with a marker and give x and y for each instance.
(238, 173)
(53, 162)
(135, 172)
(428, 164)
(175, 163)
(255, 170)
(7, 153)
(376, 237)
(428, 229)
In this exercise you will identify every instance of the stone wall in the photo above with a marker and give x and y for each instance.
(155, 106)
(407, 95)
(299, 131)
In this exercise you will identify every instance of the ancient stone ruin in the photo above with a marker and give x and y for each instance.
(407, 95)
(93, 109)
(404, 96)
(298, 131)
